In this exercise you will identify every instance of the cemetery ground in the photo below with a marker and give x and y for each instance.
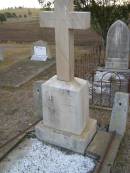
(16, 107)
(14, 52)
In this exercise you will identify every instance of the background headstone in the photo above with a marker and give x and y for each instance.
(1, 54)
(39, 51)
(119, 113)
(117, 49)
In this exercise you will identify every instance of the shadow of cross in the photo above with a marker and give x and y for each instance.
(65, 20)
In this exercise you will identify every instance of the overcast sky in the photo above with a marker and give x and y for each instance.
(23, 3)
(17, 3)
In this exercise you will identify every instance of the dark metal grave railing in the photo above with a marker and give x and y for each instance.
(102, 92)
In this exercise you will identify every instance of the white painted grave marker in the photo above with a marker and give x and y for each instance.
(40, 51)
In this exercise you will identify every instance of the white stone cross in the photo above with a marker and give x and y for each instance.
(65, 20)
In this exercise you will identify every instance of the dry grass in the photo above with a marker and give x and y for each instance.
(22, 11)
(14, 52)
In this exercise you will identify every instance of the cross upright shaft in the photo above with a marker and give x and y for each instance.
(64, 20)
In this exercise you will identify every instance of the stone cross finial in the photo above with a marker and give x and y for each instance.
(64, 20)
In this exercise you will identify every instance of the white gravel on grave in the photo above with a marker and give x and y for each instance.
(37, 157)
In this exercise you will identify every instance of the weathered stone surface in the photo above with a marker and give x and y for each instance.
(37, 97)
(66, 104)
(119, 113)
(117, 49)
(64, 20)
(77, 143)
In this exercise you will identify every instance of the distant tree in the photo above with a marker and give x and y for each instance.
(29, 12)
(2, 18)
(82, 5)
(20, 16)
(8, 14)
(104, 13)
(46, 5)
(14, 15)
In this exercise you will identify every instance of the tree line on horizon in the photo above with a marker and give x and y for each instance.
(8, 15)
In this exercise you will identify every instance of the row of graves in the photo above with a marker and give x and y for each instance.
(67, 139)
(20, 72)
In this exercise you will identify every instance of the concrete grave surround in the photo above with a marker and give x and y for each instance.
(119, 113)
(118, 45)
(65, 99)
(40, 51)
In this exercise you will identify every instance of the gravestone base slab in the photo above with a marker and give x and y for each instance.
(39, 58)
(117, 63)
(76, 143)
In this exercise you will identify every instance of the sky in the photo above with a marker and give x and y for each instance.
(23, 3)
(17, 3)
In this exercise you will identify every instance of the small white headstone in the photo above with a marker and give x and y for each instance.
(39, 51)
(119, 113)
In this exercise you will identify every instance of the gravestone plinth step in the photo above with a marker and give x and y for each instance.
(71, 141)
(23, 71)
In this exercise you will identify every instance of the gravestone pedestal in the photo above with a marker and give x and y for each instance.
(66, 121)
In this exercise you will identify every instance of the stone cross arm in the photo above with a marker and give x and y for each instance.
(74, 20)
